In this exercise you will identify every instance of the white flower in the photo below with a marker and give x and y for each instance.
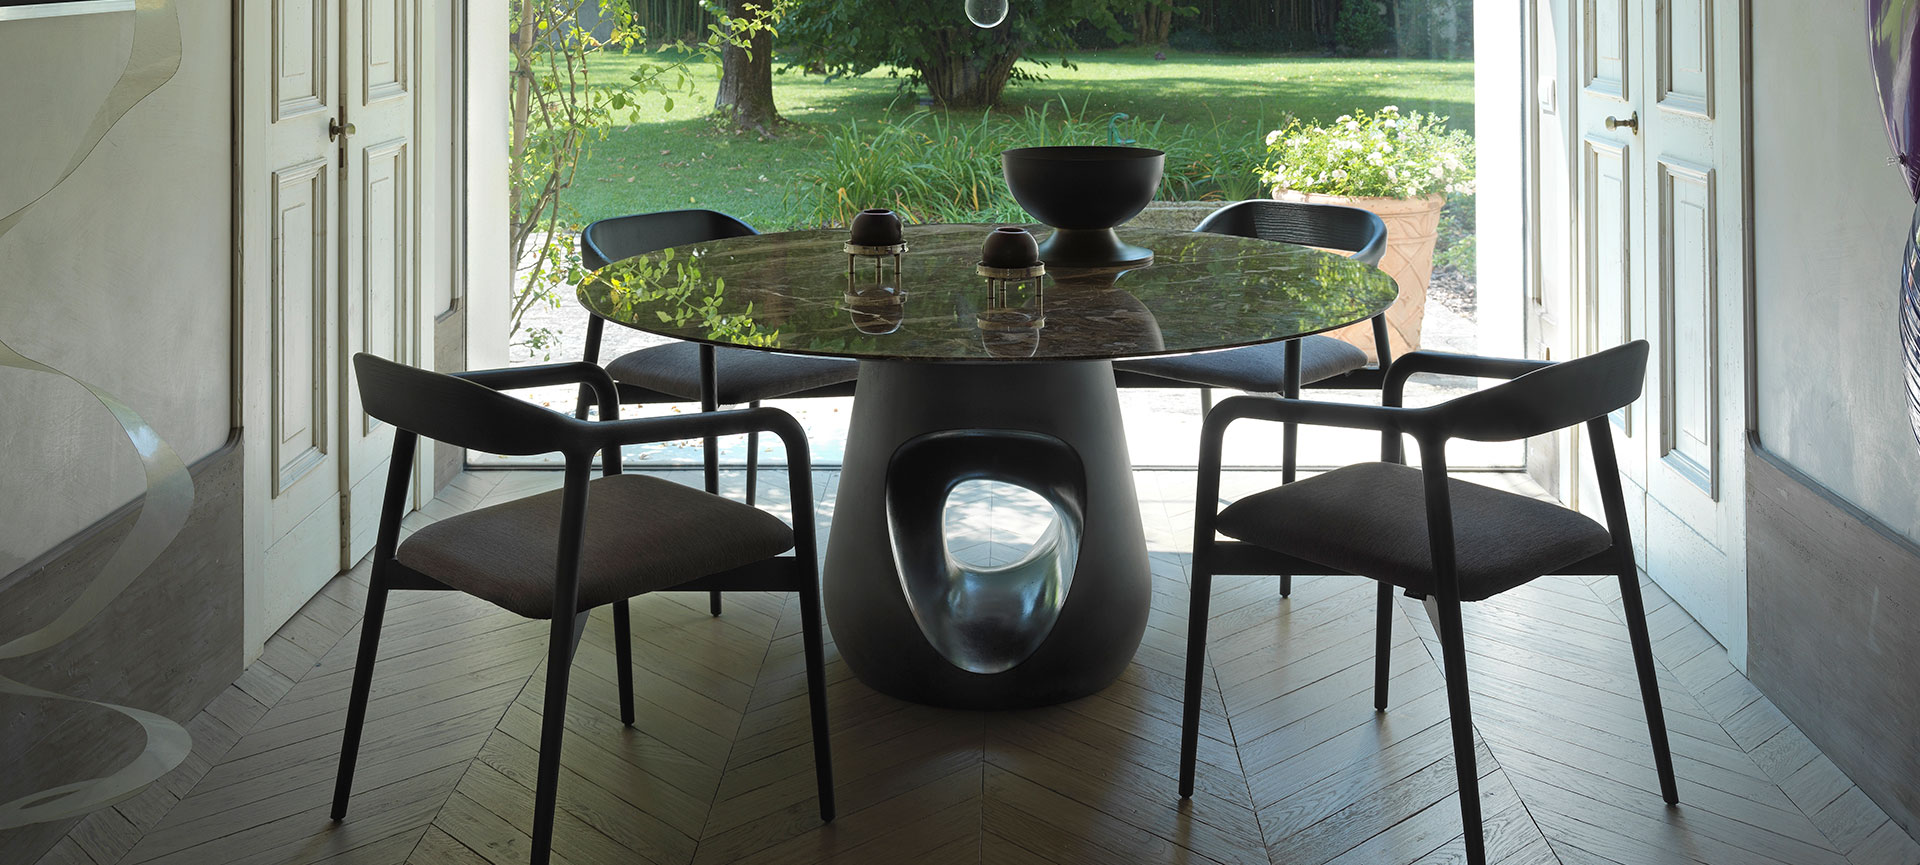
(1343, 118)
(1389, 123)
(1392, 175)
(1353, 125)
(1339, 174)
(1272, 137)
(1391, 109)
(1375, 158)
(1436, 171)
(1386, 148)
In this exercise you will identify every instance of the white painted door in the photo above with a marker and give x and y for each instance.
(1660, 256)
(328, 267)
(379, 302)
(293, 207)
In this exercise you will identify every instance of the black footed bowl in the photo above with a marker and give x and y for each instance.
(1082, 193)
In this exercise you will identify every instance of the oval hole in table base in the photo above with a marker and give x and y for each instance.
(984, 619)
(1053, 428)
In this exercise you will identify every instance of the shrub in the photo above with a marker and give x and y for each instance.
(931, 167)
(1361, 27)
(1385, 154)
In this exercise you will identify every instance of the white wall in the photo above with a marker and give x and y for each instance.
(487, 254)
(120, 276)
(1830, 218)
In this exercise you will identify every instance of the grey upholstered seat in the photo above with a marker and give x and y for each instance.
(1371, 519)
(1255, 368)
(642, 534)
(745, 375)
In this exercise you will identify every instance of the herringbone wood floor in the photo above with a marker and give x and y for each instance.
(1295, 765)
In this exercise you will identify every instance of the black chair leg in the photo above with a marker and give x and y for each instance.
(553, 724)
(1206, 401)
(1454, 654)
(1289, 437)
(1635, 612)
(1382, 646)
(623, 650)
(357, 698)
(817, 692)
(753, 458)
(710, 401)
(1201, 586)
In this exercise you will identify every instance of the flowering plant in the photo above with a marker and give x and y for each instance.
(1386, 154)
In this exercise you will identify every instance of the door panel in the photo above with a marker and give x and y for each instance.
(1607, 43)
(386, 49)
(293, 186)
(331, 269)
(1690, 338)
(1685, 56)
(380, 298)
(300, 54)
(301, 337)
(1660, 243)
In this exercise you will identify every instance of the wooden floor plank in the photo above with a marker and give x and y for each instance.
(1295, 765)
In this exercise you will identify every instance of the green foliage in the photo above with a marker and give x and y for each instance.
(931, 167)
(557, 113)
(659, 160)
(1457, 247)
(1362, 25)
(931, 44)
(1385, 154)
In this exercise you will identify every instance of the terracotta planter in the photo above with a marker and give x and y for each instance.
(1412, 226)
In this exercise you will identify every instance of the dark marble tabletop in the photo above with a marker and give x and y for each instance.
(791, 292)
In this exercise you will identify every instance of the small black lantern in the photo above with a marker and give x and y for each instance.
(875, 234)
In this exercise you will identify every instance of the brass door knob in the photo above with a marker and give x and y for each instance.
(335, 129)
(1632, 123)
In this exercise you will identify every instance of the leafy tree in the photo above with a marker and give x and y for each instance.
(555, 116)
(932, 44)
(1362, 25)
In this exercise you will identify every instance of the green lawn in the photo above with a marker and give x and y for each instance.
(672, 159)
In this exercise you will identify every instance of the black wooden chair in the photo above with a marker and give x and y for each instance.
(1441, 540)
(591, 543)
(685, 372)
(1284, 367)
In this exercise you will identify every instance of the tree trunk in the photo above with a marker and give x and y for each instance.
(522, 108)
(746, 76)
(958, 78)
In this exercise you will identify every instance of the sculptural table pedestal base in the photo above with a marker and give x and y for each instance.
(915, 623)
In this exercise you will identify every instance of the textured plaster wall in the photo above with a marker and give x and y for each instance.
(119, 277)
(1830, 218)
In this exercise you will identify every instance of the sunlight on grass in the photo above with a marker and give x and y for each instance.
(662, 160)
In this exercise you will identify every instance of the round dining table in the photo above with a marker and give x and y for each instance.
(972, 374)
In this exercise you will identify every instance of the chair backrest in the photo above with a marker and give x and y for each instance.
(1548, 399)
(456, 411)
(615, 238)
(1328, 226)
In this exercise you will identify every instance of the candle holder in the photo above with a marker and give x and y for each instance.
(876, 234)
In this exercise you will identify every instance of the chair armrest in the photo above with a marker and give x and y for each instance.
(614, 433)
(1444, 363)
(1370, 417)
(1387, 420)
(571, 372)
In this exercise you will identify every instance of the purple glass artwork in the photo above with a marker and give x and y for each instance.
(1892, 33)
(1910, 321)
